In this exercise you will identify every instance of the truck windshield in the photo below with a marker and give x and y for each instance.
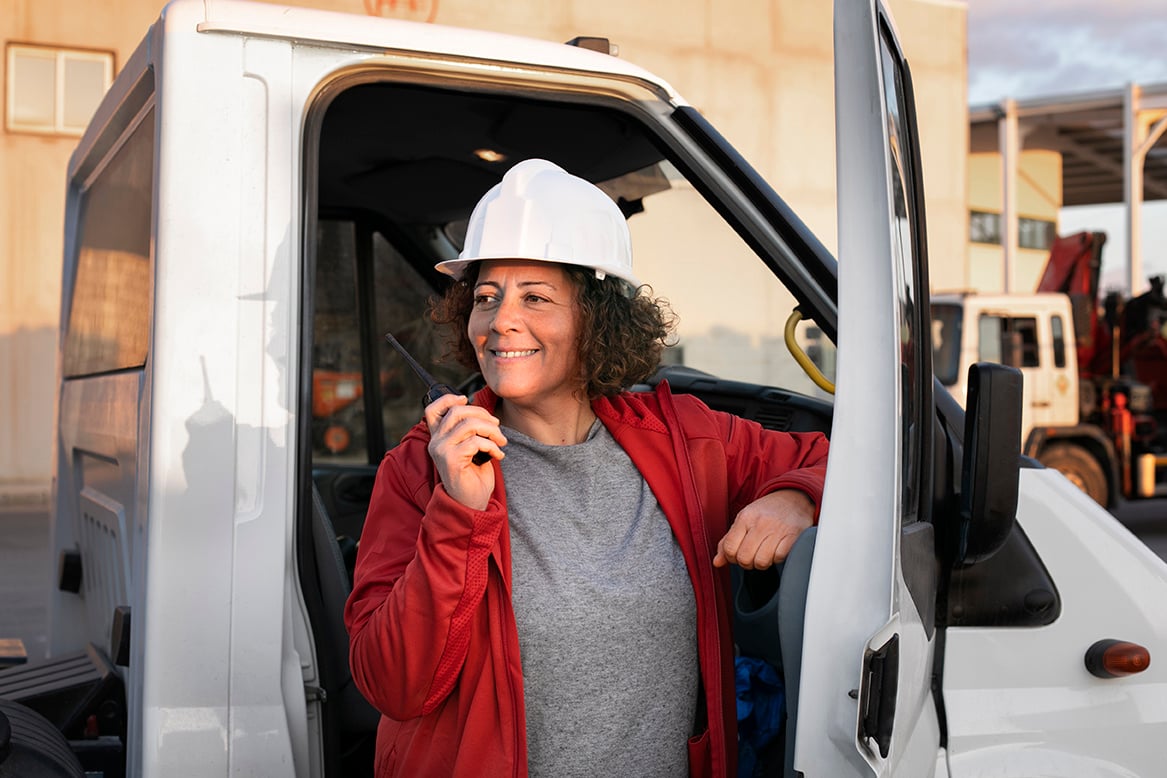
(946, 319)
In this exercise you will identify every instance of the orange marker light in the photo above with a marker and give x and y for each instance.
(1116, 658)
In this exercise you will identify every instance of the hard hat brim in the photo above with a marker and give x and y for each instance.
(456, 267)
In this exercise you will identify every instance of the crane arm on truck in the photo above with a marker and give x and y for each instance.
(1073, 269)
(1122, 369)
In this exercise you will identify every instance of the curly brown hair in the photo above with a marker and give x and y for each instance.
(623, 330)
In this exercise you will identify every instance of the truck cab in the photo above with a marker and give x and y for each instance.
(1033, 332)
(1085, 411)
(263, 194)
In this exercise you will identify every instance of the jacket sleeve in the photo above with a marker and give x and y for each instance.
(762, 461)
(421, 573)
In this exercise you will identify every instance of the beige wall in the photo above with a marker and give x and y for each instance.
(1039, 196)
(760, 70)
(32, 207)
(934, 34)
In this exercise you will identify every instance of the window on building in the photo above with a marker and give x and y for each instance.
(985, 227)
(52, 90)
(1035, 233)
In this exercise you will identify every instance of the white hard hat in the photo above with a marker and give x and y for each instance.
(540, 211)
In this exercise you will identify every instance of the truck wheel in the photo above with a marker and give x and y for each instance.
(1076, 464)
(31, 747)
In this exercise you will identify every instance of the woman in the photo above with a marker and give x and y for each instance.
(562, 608)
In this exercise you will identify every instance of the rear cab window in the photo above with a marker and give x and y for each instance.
(107, 326)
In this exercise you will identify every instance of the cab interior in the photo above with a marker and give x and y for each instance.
(392, 170)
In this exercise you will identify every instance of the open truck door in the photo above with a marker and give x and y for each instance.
(296, 174)
(866, 703)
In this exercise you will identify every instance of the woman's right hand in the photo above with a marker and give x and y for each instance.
(458, 431)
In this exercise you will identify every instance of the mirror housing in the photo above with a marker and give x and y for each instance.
(991, 463)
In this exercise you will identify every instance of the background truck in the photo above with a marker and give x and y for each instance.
(1095, 405)
(263, 194)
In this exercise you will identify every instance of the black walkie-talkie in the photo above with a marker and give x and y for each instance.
(434, 388)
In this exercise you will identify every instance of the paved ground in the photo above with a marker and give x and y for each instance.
(25, 575)
(26, 571)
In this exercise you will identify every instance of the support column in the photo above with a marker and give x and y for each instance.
(1142, 129)
(1010, 160)
(1132, 178)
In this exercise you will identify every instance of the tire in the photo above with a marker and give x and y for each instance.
(1080, 467)
(34, 747)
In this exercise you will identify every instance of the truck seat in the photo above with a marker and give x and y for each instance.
(769, 608)
(354, 720)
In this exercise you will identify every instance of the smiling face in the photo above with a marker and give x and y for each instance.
(525, 331)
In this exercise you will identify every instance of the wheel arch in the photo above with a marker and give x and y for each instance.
(1086, 437)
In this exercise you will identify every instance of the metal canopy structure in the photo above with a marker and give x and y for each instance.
(1109, 143)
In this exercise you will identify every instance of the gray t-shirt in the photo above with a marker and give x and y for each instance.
(605, 609)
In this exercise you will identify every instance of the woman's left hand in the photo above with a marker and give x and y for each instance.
(764, 531)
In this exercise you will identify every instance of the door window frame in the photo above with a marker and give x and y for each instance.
(918, 466)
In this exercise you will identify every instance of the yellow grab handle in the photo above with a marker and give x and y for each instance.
(810, 368)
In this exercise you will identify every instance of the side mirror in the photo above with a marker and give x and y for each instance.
(992, 460)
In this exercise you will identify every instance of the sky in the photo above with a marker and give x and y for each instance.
(1029, 48)
(1032, 48)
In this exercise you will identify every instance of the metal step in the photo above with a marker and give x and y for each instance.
(68, 690)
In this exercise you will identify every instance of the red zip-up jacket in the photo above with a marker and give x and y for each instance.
(434, 644)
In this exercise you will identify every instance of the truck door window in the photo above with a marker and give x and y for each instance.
(338, 403)
(352, 256)
(730, 307)
(400, 302)
(1026, 328)
(1059, 339)
(989, 331)
(1009, 340)
(914, 339)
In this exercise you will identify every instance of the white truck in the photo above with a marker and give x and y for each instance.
(263, 194)
(1032, 332)
(1095, 372)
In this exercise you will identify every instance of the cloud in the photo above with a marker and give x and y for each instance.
(1041, 47)
(1035, 48)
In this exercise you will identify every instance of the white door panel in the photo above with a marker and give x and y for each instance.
(865, 707)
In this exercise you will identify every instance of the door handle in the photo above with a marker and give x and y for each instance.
(877, 693)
